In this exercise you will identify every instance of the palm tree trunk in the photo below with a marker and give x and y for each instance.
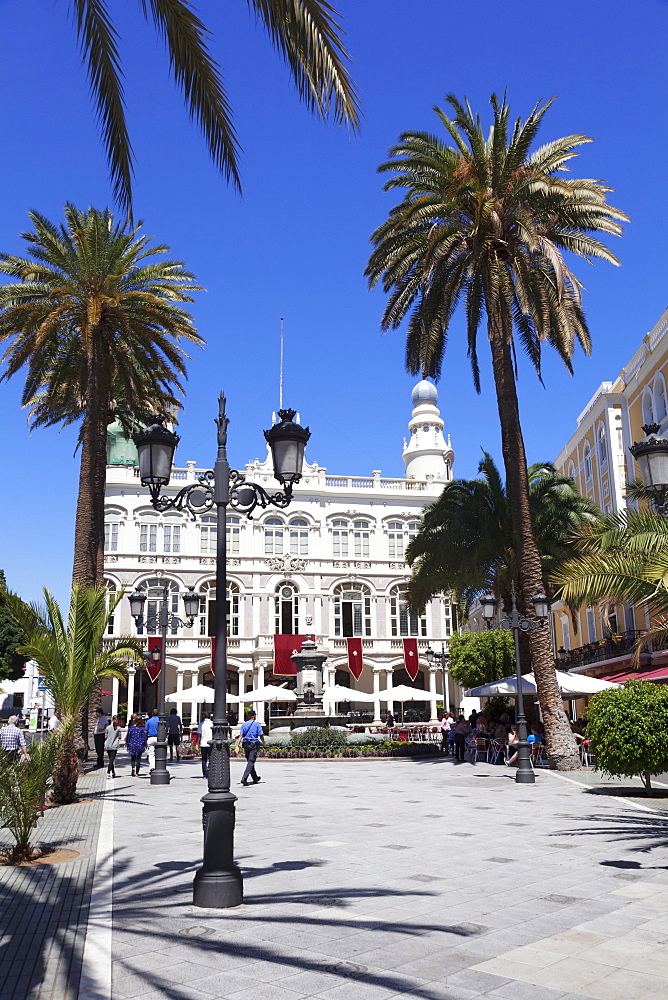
(66, 775)
(88, 566)
(561, 745)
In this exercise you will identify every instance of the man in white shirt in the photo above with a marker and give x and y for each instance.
(101, 723)
(54, 722)
(206, 735)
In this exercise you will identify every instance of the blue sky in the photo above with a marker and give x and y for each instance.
(296, 243)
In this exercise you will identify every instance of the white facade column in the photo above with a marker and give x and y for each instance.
(131, 691)
(259, 683)
(242, 691)
(179, 689)
(433, 697)
(114, 696)
(193, 705)
(376, 695)
(330, 677)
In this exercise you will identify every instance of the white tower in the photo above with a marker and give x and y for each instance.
(426, 454)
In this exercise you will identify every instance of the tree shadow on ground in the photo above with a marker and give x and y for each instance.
(640, 833)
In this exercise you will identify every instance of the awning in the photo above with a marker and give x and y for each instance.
(659, 673)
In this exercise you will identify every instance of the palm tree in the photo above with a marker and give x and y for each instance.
(73, 662)
(305, 32)
(623, 559)
(465, 543)
(94, 318)
(487, 222)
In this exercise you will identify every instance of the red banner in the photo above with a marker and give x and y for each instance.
(355, 661)
(153, 668)
(411, 661)
(284, 646)
(213, 655)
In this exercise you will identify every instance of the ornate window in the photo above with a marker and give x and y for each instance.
(207, 609)
(352, 610)
(403, 623)
(155, 589)
(340, 539)
(587, 461)
(602, 444)
(233, 529)
(148, 532)
(207, 536)
(399, 535)
(591, 625)
(286, 609)
(171, 533)
(571, 470)
(361, 535)
(298, 537)
(111, 597)
(660, 405)
(112, 524)
(647, 407)
(273, 537)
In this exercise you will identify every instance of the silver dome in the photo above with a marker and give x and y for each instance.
(424, 392)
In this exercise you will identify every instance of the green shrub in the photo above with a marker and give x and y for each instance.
(319, 738)
(628, 728)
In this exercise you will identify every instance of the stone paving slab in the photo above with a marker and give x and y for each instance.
(44, 909)
(417, 879)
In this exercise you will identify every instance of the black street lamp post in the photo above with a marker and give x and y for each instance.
(442, 660)
(651, 454)
(162, 620)
(218, 883)
(517, 622)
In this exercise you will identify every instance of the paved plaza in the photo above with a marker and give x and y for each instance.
(368, 880)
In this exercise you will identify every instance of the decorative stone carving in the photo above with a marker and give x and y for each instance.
(171, 560)
(341, 565)
(111, 559)
(208, 562)
(286, 563)
(231, 562)
(148, 559)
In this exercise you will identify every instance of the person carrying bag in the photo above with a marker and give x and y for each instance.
(250, 738)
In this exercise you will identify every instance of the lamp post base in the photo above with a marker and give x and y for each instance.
(160, 775)
(525, 773)
(218, 884)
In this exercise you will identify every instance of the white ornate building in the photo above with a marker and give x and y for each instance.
(331, 564)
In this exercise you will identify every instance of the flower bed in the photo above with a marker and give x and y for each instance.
(387, 748)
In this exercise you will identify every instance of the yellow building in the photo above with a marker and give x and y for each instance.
(597, 457)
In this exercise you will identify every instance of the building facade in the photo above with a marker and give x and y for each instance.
(597, 457)
(332, 564)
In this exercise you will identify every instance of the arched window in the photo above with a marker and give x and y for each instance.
(171, 533)
(207, 609)
(395, 540)
(148, 532)
(111, 597)
(112, 528)
(298, 537)
(571, 470)
(286, 609)
(647, 408)
(233, 529)
(602, 444)
(352, 610)
(403, 623)
(273, 537)
(155, 590)
(587, 461)
(340, 539)
(660, 405)
(361, 534)
(207, 536)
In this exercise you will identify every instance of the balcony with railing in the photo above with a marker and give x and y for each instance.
(615, 647)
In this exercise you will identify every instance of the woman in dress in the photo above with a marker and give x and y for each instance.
(135, 741)
(112, 741)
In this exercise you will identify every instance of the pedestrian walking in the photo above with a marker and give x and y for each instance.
(152, 729)
(447, 723)
(206, 735)
(174, 734)
(101, 723)
(54, 721)
(135, 741)
(12, 740)
(112, 741)
(251, 737)
(389, 720)
(461, 731)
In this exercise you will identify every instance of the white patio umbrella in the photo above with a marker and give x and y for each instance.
(271, 692)
(337, 692)
(200, 694)
(402, 693)
(570, 685)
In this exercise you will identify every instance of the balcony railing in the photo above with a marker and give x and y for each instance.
(602, 650)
